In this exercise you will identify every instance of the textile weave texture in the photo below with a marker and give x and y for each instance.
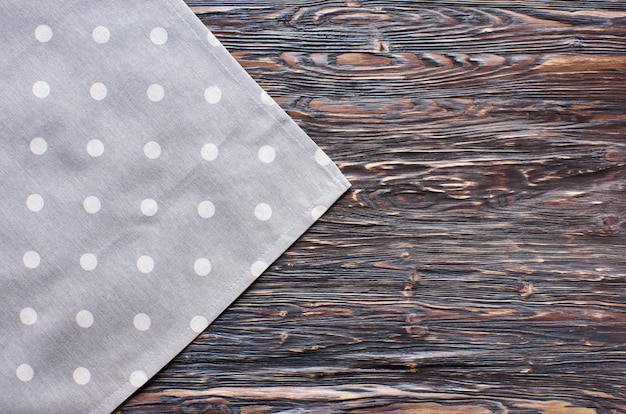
(146, 182)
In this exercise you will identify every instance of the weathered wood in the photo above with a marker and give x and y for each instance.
(478, 264)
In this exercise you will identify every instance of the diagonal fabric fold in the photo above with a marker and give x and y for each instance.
(147, 181)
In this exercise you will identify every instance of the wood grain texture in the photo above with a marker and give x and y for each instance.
(478, 264)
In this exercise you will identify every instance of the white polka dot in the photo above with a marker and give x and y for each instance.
(92, 204)
(267, 154)
(257, 268)
(31, 259)
(145, 264)
(38, 146)
(212, 94)
(202, 267)
(25, 372)
(263, 211)
(98, 91)
(266, 99)
(95, 148)
(155, 92)
(41, 89)
(209, 152)
(28, 316)
(212, 39)
(158, 35)
(152, 150)
(81, 376)
(84, 319)
(198, 323)
(88, 261)
(35, 202)
(149, 207)
(142, 322)
(43, 33)
(138, 378)
(101, 34)
(206, 209)
(317, 212)
(321, 158)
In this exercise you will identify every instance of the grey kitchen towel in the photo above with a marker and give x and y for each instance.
(146, 181)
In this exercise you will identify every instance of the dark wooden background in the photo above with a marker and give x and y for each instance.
(478, 264)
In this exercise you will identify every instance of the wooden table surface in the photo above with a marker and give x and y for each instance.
(478, 264)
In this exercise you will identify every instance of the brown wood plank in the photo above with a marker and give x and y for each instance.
(478, 264)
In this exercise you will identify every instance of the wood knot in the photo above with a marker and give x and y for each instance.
(527, 290)
(407, 292)
(412, 318)
(610, 223)
(415, 277)
(577, 43)
(416, 331)
(380, 46)
(613, 155)
(283, 338)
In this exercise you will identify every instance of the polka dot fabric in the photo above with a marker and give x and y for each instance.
(147, 181)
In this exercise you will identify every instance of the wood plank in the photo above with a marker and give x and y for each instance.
(477, 265)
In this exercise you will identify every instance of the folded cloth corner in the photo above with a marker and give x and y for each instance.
(146, 182)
